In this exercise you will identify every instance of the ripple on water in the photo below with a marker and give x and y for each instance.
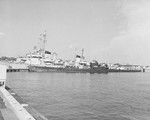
(85, 96)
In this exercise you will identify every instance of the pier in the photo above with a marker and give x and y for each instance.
(17, 70)
(13, 67)
(12, 107)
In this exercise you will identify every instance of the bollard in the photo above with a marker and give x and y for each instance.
(3, 69)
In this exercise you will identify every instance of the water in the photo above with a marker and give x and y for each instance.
(62, 96)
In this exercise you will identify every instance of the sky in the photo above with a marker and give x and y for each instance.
(111, 31)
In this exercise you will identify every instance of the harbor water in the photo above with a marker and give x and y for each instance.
(66, 96)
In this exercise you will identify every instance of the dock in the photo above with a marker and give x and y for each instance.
(13, 67)
(12, 107)
(17, 70)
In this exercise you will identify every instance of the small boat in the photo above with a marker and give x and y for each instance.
(117, 70)
(126, 68)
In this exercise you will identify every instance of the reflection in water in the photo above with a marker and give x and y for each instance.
(62, 96)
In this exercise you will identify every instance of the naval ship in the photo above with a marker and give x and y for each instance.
(41, 60)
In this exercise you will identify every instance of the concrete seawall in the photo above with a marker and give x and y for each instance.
(12, 106)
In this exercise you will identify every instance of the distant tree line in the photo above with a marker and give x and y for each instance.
(4, 58)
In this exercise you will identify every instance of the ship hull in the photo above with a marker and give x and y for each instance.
(67, 70)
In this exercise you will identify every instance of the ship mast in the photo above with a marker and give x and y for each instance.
(42, 43)
(82, 57)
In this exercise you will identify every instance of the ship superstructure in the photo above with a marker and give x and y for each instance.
(42, 60)
(38, 55)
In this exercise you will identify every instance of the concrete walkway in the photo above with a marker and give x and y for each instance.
(6, 113)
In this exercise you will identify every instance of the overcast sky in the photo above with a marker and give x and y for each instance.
(109, 30)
